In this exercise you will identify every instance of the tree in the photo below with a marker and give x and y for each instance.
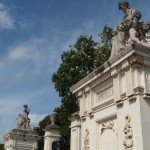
(84, 56)
(2, 147)
(79, 61)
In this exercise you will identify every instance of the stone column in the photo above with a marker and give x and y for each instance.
(52, 133)
(75, 132)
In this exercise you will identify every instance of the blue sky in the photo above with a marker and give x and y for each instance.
(33, 34)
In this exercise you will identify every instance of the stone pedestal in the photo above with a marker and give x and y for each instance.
(75, 132)
(114, 103)
(19, 139)
(52, 133)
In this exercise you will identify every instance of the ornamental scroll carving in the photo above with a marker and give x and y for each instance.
(107, 125)
(86, 140)
(128, 139)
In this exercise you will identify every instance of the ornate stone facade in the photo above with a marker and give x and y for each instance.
(117, 88)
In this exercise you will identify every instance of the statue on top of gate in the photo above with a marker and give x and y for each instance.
(23, 121)
(130, 30)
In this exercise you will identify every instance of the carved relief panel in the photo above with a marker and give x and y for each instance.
(86, 140)
(103, 92)
(128, 139)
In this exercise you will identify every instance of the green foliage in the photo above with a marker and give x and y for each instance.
(2, 147)
(84, 56)
(106, 36)
(76, 63)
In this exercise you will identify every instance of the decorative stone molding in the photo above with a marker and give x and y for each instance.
(91, 114)
(136, 61)
(105, 87)
(139, 90)
(86, 140)
(107, 125)
(103, 105)
(128, 139)
(105, 94)
(101, 80)
(146, 96)
(87, 89)
(123, 96)
(132, 98)
(85, 81)
(80, 94)
(114, 72)
(83, 117)
(125, 65)
(119, 103)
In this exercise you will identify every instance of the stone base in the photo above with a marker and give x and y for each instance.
(52, 134)
(19, 139)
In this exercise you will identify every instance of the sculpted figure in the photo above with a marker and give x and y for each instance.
(130, 13)
(23, 121)
(119, 41)
(20, 120)
(25, 114)
(139, 33)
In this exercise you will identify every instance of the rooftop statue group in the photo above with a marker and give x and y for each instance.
(130, 30)
(23, 121)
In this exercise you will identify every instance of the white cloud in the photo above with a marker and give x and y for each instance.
(36, 118)
(6, 19)
(24, 51)
(36, 53)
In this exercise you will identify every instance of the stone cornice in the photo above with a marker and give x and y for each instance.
(112, 64)
(74, 116)
(22, 134)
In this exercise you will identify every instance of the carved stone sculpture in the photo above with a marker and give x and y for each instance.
(130, 30)
(107, 125)
(86, 140)
(128, 139)
(23, 121)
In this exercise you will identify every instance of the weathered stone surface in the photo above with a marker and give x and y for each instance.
(52, 133)
(22, 138)
(114, 100)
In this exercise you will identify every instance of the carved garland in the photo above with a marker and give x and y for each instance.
(87, 140)
(128, 139)
(107, 125)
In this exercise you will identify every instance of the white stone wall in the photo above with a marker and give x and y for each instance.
(115, 104)
(18, 140)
